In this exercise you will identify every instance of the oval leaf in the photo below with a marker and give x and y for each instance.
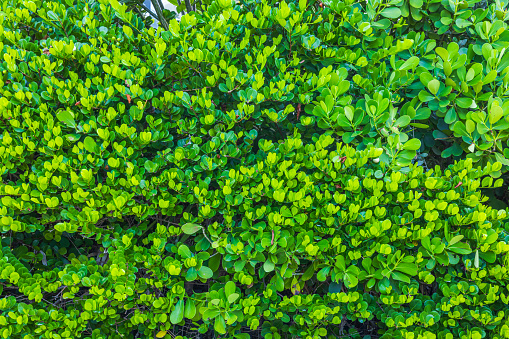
(391, 12)
(190, 228)
(178, 313)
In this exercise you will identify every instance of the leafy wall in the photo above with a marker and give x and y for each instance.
(256, 170)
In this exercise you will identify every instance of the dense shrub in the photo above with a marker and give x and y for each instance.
(252, 171)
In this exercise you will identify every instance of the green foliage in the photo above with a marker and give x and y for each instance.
(251, 171)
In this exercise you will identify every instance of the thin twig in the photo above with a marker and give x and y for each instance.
(205, 235)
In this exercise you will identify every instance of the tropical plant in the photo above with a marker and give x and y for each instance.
(253, 170)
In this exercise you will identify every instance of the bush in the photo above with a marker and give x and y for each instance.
(249, 172)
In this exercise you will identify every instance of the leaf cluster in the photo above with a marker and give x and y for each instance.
(252, 170)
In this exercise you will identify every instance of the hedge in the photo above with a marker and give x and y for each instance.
(256, 170)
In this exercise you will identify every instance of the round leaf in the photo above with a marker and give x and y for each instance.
(190, 228)
(391, 12)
